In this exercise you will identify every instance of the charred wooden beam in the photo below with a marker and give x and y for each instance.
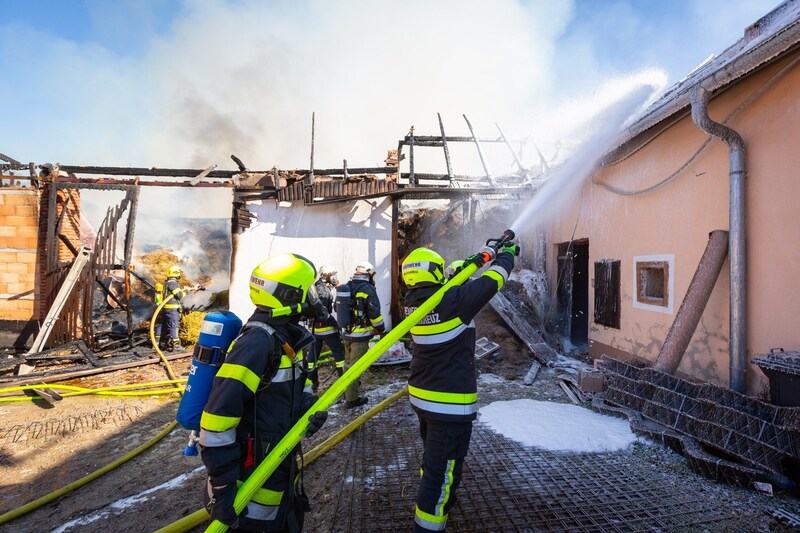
(55, 376)
(412, 180)
(484, 162)
(309, 179)
(421, 140)
(510, 148)
(153, 171)
(121, 184)
(446, 150)
(128, 254)
(63, 238)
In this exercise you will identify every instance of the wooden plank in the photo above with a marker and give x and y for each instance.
(530, 377)
(524, 331)
(568, 392)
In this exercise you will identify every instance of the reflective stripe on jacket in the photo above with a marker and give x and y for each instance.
(171, 286)
(442, 383)
(365, 309)
(329, 326)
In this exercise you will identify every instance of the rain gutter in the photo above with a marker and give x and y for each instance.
(737, 345)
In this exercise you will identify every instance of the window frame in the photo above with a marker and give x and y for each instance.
(662, 305)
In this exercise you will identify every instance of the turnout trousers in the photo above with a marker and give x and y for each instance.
(445, 446)
(170, 320)
(353, 351)
(334, 342)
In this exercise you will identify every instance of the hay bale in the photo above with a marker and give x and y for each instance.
(189, 330)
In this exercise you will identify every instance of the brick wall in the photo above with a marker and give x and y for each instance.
(19, 222)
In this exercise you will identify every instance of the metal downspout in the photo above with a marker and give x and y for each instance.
(737, 246)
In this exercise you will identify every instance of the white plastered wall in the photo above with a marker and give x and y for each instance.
(341, 234)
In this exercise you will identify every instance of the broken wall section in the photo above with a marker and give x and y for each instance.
(19, 222)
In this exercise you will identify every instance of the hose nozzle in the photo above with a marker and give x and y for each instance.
(508, 235)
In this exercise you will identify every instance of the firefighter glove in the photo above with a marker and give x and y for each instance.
(315, 422)
(510, 248)
(477, 260)
(220, 506)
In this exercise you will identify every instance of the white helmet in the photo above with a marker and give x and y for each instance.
(365, 267)
(328, 273)
(328, 269)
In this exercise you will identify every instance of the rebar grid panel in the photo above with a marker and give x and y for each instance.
(508, 487)
(726, 420)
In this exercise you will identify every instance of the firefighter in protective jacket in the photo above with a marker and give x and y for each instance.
(171, 312)
(258, 394)
(358, 311)
(324, 326)
(442, 386)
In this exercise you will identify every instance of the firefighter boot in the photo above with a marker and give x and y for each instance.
(339, 371)
(314, 377)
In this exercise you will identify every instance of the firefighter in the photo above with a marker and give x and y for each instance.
(442, 386)
(325, 328)
(258, 394)
(172, 310)
(359, 315)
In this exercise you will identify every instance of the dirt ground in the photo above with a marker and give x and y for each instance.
(43, 449)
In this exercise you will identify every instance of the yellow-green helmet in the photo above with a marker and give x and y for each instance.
(423, 266)
(174, 272)
(281, 280)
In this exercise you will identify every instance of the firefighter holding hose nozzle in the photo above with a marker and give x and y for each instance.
(442, 386)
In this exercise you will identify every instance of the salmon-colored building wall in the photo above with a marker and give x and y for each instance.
(676, 218)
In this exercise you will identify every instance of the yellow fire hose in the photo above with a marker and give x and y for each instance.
(198, 517)
(292, 438)
(117, 390)
(163, 357)
(20, 511)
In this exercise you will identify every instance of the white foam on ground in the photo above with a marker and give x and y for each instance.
(557, 426)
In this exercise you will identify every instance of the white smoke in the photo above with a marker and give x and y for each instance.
(243, 76)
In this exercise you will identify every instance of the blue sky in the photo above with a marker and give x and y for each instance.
(186, 83)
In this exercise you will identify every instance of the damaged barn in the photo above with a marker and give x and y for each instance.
(589, 324)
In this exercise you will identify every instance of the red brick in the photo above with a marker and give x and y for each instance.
(19, 288)
(19, 268)
(8, 257)
(20, 199)
(24, 211)
(8, 210)
(29, 231)
(26, 257)
(9, 277)
(3, 289)
(14, 314)
(25, 305)
(13, 220)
